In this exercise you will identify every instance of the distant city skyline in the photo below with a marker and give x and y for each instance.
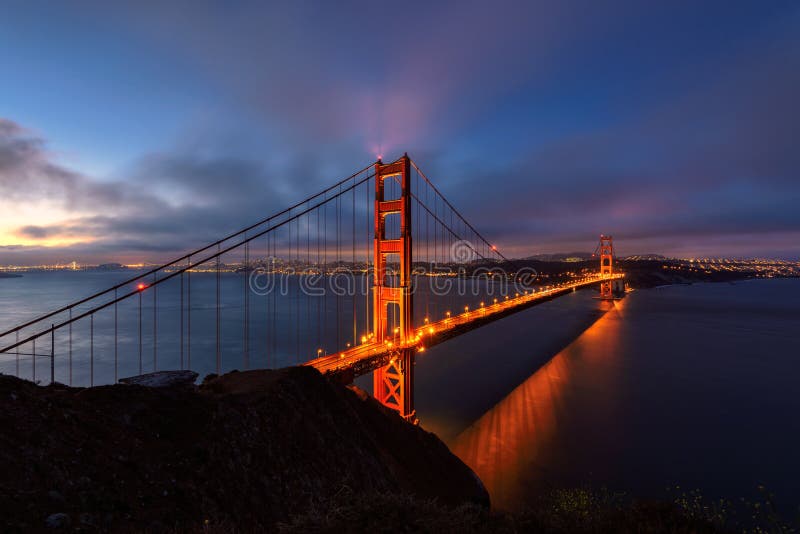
(132, 134)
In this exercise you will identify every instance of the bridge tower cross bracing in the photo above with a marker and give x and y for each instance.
(393, 383)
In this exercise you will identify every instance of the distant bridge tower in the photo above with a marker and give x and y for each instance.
(606, 266)
(393, 384)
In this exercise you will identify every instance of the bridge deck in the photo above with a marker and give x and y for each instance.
(369, 356)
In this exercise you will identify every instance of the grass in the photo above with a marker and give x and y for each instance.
(560, 511)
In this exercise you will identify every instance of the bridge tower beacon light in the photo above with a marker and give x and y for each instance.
(393, 383)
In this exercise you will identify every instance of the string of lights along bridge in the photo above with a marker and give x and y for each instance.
(359, 278)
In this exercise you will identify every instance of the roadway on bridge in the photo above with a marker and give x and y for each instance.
(371, 355)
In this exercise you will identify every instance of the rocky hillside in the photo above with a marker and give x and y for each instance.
(246, 449)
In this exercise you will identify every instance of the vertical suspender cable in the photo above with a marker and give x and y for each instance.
(181, 319)
(218, 353)
(91, 350)
(352, 285)
(52, 354)
(367, 287)
(268, 302)
(325, 264)
(189, 314)
(246, 298)
(338, 259)
(140, 331)
(297, 293)
(274, 339)
(319, 277)
(116, 350)
(155, 323)
(307, 274)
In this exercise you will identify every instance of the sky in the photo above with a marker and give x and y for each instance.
(135, 131)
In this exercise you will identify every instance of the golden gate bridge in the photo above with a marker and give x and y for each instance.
(359, 278)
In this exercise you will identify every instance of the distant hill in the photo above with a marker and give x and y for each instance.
(561, 256)
(588, 256)
(645, 257)
(109, 267)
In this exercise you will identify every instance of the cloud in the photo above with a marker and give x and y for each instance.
(36, 232)
(705, 165)
(29, 173)
(169, 193)
(337, 75)
(163, 204)
(688, 136)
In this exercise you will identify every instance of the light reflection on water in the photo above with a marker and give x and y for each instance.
(693, 386)
(505, 447)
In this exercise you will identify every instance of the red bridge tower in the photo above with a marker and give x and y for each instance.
(393, 384)
(606, 265)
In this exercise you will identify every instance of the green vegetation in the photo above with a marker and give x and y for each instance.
(745, 515)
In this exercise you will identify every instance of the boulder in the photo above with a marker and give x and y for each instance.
(162, 379)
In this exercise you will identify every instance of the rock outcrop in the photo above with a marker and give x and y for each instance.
(162, 379)
(246, 449)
